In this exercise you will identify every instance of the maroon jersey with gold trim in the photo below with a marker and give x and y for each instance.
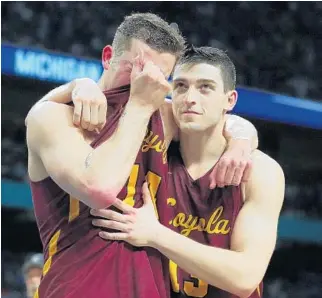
(204, 215)
(78, 262)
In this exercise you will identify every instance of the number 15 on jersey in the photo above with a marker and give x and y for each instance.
(192, 287)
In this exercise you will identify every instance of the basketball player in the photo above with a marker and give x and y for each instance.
(71, 170)
(220, 241)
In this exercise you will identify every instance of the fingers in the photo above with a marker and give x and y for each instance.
(77, 112)
(124, 207)
(111, 214)
(86, 115)
(146, 194)
(109, 224)
(90, 115)
(136, 68)
(230, 173)
(93, 117)
(247, 172)
(149, 67)
(236, 180)
(113, 236)
(239, 170)
(213, 181)
(90, 106)
(102, 113)
(221, 172)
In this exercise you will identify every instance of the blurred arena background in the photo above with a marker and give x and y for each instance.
(276, 47)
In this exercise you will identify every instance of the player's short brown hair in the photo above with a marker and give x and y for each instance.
(150, 29)
(215, 57)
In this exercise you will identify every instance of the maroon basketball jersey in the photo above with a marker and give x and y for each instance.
(78, 262)
(204, 215)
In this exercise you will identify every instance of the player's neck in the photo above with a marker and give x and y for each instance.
(201, 150)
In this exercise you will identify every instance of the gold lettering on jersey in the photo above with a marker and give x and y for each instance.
(171, 201)
(152, 141)
(214, 225)
(219, 225)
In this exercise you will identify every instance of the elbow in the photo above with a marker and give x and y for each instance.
(101, 193)
(246, 288)
(101, 197)
(244, 293)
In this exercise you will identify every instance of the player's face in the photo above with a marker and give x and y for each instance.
(32, 280)
(199, 99)
(124, 63)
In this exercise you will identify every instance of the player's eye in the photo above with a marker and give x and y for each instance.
(206, 87)
(179, 86)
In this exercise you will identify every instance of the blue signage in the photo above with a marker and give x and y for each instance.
(46, 66)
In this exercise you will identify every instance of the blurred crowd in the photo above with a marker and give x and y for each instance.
(21, 274)
(274, 44)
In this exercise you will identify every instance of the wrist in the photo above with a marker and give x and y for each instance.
(240, 144)
(157, 235)
(137, 109)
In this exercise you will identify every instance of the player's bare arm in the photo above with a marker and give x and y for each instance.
(89, 101)
(92, 176)
(239, 270)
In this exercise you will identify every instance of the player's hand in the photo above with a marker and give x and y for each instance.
(137, 226)
(90, 106)
(149, 86)
(234, 166)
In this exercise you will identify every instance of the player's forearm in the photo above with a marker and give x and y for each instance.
(109, 165)
(61, 94)
(238, 128)
(225, 269)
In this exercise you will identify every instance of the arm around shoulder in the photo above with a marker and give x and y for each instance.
(61, 147)
(238, 128)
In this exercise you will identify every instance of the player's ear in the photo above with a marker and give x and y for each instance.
(107, 54)
(232, 100)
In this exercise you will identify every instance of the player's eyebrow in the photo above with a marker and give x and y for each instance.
(208, 81)
(179, 80)
(184, 80)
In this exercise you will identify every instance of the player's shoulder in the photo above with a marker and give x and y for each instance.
(45, 119)
(266, 184)
(48, 114)
(265, 165)
(266, 175)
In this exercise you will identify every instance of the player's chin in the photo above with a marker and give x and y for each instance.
(190, 126)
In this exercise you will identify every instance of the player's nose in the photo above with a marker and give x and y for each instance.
(190, 97)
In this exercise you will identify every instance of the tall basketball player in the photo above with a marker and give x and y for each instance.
(219, 241)
(71, 171)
